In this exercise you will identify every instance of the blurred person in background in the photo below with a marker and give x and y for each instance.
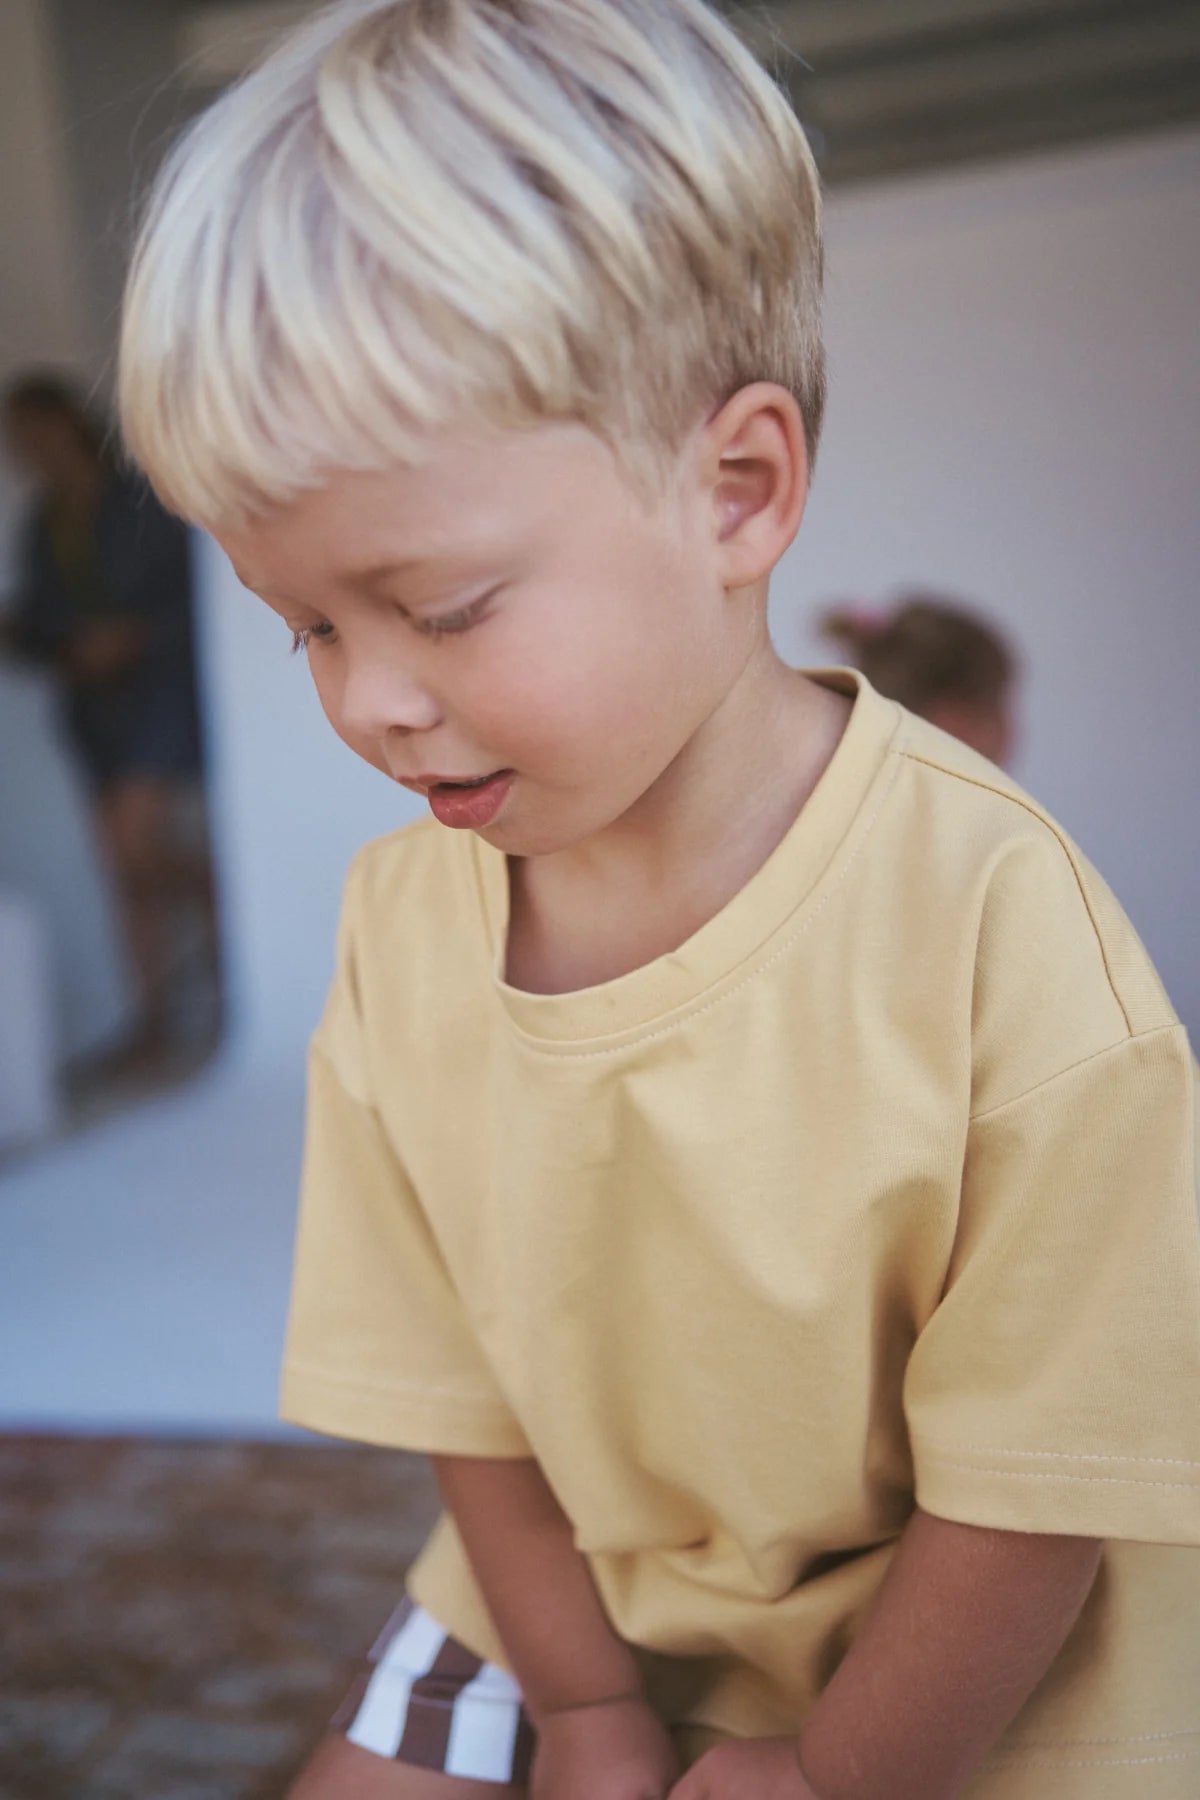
(939, 659)
(103, 602)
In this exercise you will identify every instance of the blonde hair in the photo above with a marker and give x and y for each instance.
(925, 650)
(423, 212)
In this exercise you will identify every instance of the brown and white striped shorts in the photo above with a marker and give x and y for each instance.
(426, 1699)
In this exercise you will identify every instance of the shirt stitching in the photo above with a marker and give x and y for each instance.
(1095, 1762)
(449, 1396)
(1136, 1037)
(1056, 832)
(1174, 1462)
(1094, 1743)
(1062, 1475)
(550, 1047)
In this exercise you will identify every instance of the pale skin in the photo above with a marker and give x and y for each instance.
(615, 655)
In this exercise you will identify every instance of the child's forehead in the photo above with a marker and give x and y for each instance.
(363, 531)
(473, 495)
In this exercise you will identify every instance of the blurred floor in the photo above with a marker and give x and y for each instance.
(144, 1263)
(180, 1618)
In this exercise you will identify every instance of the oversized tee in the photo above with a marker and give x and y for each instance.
(877, 1191)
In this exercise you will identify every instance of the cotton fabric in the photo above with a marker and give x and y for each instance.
(879, 1189)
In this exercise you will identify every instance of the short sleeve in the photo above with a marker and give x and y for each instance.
(1056, 1387)
(379, 1346)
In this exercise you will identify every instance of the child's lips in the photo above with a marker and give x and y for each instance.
(431, 781)
(464, 802)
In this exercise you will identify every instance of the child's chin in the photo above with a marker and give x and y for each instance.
(523, 836)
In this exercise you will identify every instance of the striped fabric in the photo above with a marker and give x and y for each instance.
(428, 1701)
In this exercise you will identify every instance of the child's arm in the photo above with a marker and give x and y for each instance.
(964, 1627)
(581, 1684)
(538, 1587)
(966, 1623)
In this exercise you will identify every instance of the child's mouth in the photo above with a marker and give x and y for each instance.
(470, 805)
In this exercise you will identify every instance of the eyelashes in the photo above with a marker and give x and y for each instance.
(446, 625)
(321, 633)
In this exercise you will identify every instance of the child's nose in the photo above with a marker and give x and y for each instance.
(379, 698)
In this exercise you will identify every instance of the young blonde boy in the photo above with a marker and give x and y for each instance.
(749, 1149)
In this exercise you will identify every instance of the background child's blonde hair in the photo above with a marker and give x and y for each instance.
(419, 213)
(925, 650)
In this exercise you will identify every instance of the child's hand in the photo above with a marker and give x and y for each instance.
(618, 1750)
(751, 1769)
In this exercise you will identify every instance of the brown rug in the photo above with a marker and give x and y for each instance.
(177, 1620)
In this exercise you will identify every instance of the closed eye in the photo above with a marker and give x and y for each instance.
(436, 626)
(450, 624)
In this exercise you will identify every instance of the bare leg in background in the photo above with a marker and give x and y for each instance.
(153, 878)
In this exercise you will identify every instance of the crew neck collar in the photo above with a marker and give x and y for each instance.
(727, 945)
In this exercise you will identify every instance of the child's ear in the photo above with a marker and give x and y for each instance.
(756, 466)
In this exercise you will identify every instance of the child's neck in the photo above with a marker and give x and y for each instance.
(650, 881)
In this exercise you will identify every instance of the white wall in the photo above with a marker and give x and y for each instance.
(290, 805)
(1014, 414)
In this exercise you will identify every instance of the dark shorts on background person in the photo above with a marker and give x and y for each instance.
(426, 1700)
(120, 730)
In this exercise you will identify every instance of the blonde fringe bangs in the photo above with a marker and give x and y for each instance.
(420, 213)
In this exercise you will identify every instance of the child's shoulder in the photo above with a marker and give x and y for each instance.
(1055, 955)
(991, 825)
(961, 781)
(407, 867)
(413, 903)
(939, 790)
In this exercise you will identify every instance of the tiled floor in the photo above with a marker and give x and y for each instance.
(177, 1620)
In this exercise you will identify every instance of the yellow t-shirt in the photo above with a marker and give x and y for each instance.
(882, 1185)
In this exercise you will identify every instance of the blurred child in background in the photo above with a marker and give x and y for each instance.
(941, 660)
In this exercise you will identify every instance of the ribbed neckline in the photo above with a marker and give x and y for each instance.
(646, 997)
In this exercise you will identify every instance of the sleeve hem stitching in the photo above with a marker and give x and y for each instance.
(426, 1392)
(969, 1468)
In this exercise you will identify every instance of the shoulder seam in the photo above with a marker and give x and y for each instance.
(1064, 844)
(1125, 1043)
(317, 1048)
